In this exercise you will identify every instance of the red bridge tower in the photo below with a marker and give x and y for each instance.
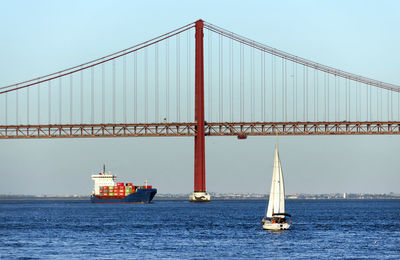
(199, 194)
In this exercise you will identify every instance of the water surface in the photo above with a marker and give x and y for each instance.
(179, 229)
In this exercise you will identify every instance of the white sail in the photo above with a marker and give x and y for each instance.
(276, 202)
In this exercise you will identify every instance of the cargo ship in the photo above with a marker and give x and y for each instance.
(106, 190)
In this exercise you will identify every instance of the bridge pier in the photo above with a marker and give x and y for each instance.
(199, 194)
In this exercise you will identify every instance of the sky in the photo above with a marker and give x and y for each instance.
(41, 37)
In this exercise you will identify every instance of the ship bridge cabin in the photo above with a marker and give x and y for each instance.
(103, 179)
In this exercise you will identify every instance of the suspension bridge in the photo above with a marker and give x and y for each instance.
(198, 80)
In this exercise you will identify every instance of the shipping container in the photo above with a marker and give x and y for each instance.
(120, 184)
(105, 187)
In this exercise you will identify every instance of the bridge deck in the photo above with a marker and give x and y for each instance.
(240, 129)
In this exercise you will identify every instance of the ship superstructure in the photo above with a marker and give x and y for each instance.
(101, 180)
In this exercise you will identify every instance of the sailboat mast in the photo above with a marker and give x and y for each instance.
(273, 204)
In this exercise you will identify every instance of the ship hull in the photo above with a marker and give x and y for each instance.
(140, 196)
(267, 225)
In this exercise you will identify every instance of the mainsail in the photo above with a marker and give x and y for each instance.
(276, 202)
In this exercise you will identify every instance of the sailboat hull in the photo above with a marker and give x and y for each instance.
(267, 225)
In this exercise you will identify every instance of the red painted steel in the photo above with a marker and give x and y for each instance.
(239, 129)
(199, 139)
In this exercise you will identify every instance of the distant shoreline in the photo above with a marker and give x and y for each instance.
(218, 197)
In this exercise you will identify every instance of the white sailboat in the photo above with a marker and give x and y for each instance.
(275, 217)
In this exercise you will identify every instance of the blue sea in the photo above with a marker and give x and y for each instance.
(322, 229)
